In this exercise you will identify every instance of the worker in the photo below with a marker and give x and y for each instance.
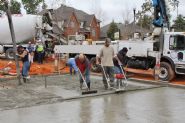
(84, 67)
(31, 50)
(72, 64)
(40, 52)
(106, 58)
(120, 60)
(23, 53)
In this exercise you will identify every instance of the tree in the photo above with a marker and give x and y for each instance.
(57, 3)
(15, 7)
(126, 15)
(145, 22)
(44, 5)
(2, 6)
(31, 5)
(179, 23)
(98, 11)
(112, 29)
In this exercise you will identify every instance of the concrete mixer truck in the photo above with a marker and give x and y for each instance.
(25, 27)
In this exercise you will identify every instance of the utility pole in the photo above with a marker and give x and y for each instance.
(175, 4)
(134, 10)
(8, 12)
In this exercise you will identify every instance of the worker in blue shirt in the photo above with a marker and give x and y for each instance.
(72, 64)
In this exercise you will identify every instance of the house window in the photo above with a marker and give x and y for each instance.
(81, 24)
(72, 24)
(93, 32)
(59, 24)
(87, 28)
(62, 23)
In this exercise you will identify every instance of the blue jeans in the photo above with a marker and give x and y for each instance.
(25, 68)
(117, 70)
(86, 77)
(71, 70)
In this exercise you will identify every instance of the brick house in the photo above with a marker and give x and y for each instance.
(66, 21)
(89, 25)
(70, 21)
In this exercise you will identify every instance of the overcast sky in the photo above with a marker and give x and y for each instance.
(110, 9)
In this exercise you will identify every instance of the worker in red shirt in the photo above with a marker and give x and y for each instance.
(84, 66)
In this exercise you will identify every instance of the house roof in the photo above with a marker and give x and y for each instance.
(63, 13)
(125, 29)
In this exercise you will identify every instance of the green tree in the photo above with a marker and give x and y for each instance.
(145, 22)
(44, 5)
(147, 6)
(2, 6)
(179, 23)
(15, 7)
(112, 29)
(31, 5)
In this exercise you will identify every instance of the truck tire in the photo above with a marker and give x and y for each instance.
(94, 66)
(166, 72)
(9, 53)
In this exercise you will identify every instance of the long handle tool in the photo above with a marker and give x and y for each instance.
(124, 74)
(84, 82)
(106, 77)
(121, 82)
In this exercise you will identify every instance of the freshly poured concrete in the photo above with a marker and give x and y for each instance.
(58, 88)
(160, 105)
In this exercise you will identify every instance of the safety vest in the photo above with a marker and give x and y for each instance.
(40, 48)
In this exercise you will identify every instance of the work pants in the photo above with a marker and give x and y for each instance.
(109, 71)
(25, 68)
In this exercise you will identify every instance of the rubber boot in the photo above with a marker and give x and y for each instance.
(89, 85)
(121, 82)
(81, 85)
(105, 85)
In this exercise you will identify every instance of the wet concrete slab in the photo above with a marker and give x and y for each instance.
(159, 105)
(53, 89)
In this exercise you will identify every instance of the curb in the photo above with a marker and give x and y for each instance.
(153, 82)
(109, 92)
(163, 83)
(176, 86)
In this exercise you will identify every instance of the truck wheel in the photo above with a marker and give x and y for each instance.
(94, 66)
(166, 72)
(9, 53)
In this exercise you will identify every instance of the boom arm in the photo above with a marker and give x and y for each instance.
(160, 13)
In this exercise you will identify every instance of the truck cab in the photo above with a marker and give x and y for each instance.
(174, 49)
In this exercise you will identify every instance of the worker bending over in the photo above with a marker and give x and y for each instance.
(84, 66)
(72, 65)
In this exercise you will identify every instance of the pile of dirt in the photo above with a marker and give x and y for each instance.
(48, 67)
